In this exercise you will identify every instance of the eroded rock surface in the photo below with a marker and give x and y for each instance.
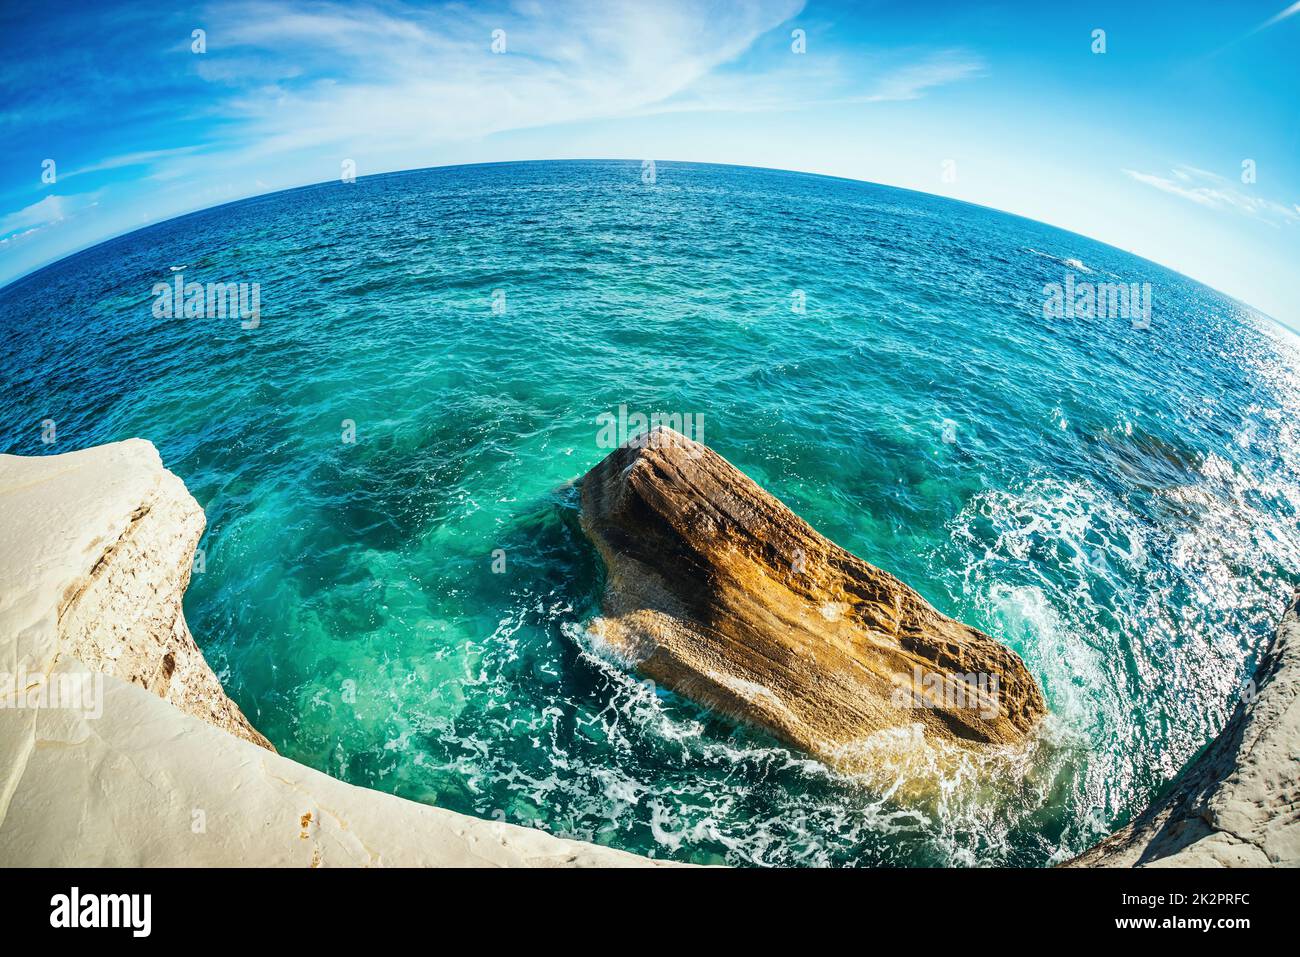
(135, 756)
(720, 592)
(96, 549)
(1237, 803)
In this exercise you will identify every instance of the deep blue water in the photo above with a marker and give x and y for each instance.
(1117, 504)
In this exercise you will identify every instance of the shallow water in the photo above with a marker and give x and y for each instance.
(1117, 504)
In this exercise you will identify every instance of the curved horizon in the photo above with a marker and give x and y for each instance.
(593, 159)
(902, 474)
(376, 390)
(1163, 131)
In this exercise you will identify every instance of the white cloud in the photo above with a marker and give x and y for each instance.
(45, 212)
(799, 82)
(1279, 17)
(414, 80)
(397, 83)
(910, 82)
(140, 158)
(1214, 191)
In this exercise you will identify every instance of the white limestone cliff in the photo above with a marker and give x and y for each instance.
(118, 745)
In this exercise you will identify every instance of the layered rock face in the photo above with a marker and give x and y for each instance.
(118, 746)
(1237, 803)
(107, 589)
(718, 591)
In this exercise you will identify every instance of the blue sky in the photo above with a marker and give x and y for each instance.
(1141, 146)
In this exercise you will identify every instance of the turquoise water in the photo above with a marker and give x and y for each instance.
(1117, 504)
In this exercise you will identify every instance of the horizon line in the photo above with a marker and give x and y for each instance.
(615, 159)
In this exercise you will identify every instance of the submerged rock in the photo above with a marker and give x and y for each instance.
(717, 590)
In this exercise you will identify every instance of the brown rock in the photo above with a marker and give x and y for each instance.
(718, 591)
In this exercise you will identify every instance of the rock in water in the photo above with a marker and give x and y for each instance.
(718, 591)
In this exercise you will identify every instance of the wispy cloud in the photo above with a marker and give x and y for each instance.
(399, 81)
(1278, 17)
(1284, 14)
(794, 82)
(46, 212)
(124, 160)
(1214, 191)
(412, 79)
(937, 69)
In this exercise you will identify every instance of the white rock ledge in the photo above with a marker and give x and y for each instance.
(118, 745)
